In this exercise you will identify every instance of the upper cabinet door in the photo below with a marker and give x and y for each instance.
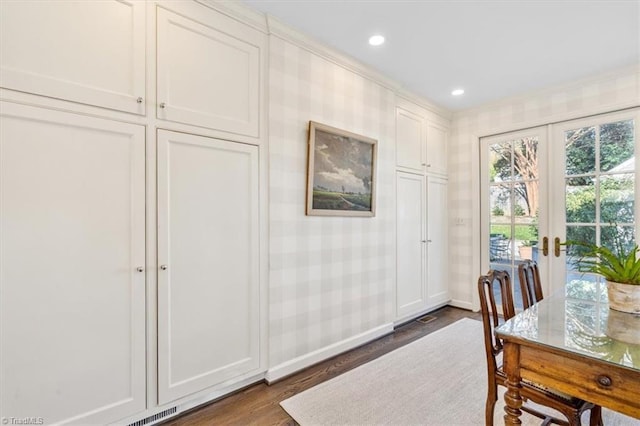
(216, 81)
(436, 149)
(410, 133)
(90, 52)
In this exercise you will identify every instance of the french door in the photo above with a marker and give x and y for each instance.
(574, 180)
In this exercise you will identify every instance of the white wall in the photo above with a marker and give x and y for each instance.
(600, 94)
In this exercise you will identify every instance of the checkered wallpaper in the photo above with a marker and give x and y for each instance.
(607, 93)
(331, 278)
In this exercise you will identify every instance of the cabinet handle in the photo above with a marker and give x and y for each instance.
(424, 241)
(604, 381)
(428, 165)
(164, 267)
(139, 100)
(140, 269)
(162, 105)
(545, 246)
(556, 246)
(428, 241)
(424, 164)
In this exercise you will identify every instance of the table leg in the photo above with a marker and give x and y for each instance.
(512, 398)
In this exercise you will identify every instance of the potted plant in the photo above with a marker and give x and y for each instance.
(621, 269)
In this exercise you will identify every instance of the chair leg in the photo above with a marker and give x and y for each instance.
(595, 417)
(492, 397)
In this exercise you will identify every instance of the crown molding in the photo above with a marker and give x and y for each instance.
(238, 11)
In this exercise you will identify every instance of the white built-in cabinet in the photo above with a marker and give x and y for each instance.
(437, 288)
(421, 211)
(436, 149)
(208, 283)
(410, 137)
(92, 52)
(132, 279)
(215, 81)
(72, 283)
(411, 243)
(421, 141)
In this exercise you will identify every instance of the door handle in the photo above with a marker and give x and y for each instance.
(545, 246)
(556, 246)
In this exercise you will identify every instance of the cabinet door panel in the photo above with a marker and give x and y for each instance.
(409, 139)
(72, 229)
(410, 294)
(84, 51)
(437, 225)
(436, 149)
(215, 82)
(208, 239)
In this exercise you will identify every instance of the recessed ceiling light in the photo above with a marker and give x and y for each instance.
(376, 40)
(457, 92)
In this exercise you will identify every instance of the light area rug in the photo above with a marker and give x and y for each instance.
(440, 379)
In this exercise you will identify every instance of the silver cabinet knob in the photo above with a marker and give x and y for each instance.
(139, 100)
(164, 267)
(140, 269)
(428, 165)
(428, 241)
(424, 241)
(424, 164)
(162, 105)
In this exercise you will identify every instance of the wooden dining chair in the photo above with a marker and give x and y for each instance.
(496, 285)
(530, 283)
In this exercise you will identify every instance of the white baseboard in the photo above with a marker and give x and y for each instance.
(289, 367)
(461, 304)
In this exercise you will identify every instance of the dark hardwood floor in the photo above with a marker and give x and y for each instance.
(258, 404)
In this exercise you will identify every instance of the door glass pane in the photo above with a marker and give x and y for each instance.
(617, 198)
(616, 146)
(580, 199)
(580, 147)
(500, 162)
(585, 234)
(525, 158)
(617, 237)
(500, 203)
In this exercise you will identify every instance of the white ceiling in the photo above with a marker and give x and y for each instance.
(492, 49)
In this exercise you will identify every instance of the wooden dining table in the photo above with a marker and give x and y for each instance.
(576, 346)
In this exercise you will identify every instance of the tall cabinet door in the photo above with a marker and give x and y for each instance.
(208, 254)
(72, 281)
(437, 244)
(410, 292)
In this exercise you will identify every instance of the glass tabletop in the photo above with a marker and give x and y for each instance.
(587, 327)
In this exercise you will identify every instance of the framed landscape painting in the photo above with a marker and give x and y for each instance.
(341, 172)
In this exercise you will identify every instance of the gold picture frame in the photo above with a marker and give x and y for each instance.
(341, 172)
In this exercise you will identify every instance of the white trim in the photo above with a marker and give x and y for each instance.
(238, 11)
(476, 241)
(296, 364)
(463, 304)
(206, 396)
(411, 317)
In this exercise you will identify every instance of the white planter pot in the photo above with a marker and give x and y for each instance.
(624, 297)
